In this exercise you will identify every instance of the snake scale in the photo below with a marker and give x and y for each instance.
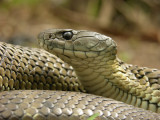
(39, 85)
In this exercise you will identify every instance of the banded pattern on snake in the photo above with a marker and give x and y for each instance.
(97, 71)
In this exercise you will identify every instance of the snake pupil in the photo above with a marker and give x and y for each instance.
(67, 35)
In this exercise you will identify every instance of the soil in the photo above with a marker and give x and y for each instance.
(21, 26)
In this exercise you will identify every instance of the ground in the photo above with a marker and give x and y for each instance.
(21, 26)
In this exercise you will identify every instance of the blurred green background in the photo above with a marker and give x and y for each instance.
(133, 24)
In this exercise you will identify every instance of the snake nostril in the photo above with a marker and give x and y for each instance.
(49, 36)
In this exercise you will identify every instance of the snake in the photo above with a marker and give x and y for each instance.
(76, 75)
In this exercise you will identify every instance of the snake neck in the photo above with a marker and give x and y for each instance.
(100, 75)
(104, 76)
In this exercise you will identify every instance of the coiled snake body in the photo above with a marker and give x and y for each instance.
(97, 71)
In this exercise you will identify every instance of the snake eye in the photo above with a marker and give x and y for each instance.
(67, 35)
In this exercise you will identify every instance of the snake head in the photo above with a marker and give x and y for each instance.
(76, 44)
